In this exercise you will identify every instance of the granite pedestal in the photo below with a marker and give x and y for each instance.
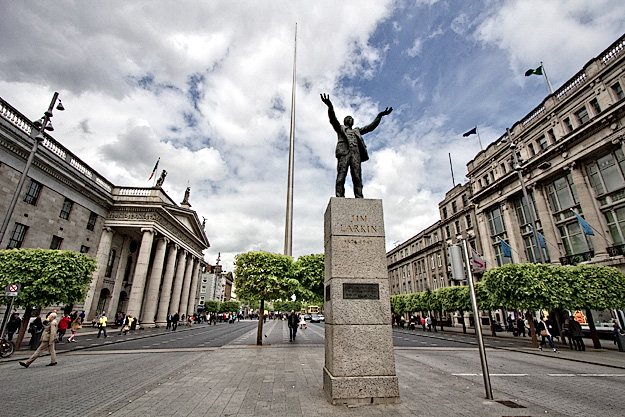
(359, 360)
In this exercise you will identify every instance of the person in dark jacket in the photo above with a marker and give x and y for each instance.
(174, 321)
(14, 324)
(293, 322)
(577, 334)
(544, 330)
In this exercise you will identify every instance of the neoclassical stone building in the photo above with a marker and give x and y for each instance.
(149, 250)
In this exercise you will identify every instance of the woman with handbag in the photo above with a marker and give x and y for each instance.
(543, 331)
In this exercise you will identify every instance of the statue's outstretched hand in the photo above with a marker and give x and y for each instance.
(387, 111)
(326, 99)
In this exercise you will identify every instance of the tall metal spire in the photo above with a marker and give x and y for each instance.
(288, 228)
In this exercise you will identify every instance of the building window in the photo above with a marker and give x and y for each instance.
(457, 224)
(444, 213)
(447, 232)
(66, 209)
(465, 200)
(432, 261)
(552, 135)
(574, 239)
(486, 180)
(84, 249)
(440, 261)
(499, 258)
(606, 173)
(442, 281)
(616, 224)
(495, 221)
(32, 193)
(568, 126)
(109, 264)
(469, 222)
(618, 91)
(594, 103)
(530, 150)
(454, 206)
(582, 116)
(503, 168)
(542, 142)
(92, 219)
(562, 194)
(523, 211)
(56, 242)
(17, 236)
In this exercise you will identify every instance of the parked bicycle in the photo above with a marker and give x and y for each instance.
(6, 348)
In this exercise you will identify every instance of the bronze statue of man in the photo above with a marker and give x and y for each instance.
(350, 148)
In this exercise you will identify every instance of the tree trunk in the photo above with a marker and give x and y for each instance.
(530, 319)
(560, 323)
(492, 324)
(261, 318)
(593, 330)
(441, 319)
(23, 328)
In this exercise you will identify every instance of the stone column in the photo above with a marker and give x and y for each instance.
(154, 283)
(102, 256)
(197, 270)
(174, 304)
(186, 286)
(168, 280)
(550, 232)
(119, 276)
(359, 360)
(486, 241)
(141, 272)
(590, 213)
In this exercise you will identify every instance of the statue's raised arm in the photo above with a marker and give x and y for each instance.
(333, 120)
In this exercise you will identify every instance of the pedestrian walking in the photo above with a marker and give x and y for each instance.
(82, 316)
(14, 324)
(168, 322)
(102, 325)
(293, 321)
(544, 331)
(127, 324)
(47, 342)
(423, 323)
(302, 322)
(520, 326)
(577, 334)
(428, 322)
(567, 333)
(63, 326)
(174, 321)
(76, 325)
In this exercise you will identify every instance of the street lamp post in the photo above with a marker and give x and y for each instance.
(41, 125)
(530, 209)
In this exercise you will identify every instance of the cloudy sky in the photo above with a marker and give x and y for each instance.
(206, 86)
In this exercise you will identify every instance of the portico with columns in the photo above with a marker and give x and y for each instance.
(149, 258)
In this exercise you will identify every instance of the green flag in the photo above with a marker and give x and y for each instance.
(537, 71)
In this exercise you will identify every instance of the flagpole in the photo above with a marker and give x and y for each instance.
(453, 181)
(288, 228)
(546, 78)
(478, 137)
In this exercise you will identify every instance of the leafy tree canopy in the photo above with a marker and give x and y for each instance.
(264, 276)
(309, 274)
(47, 277)
(212, 306)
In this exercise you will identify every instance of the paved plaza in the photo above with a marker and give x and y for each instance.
(437, 377)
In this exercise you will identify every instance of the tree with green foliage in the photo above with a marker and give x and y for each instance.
(308, 272)
(47, 277)
(230, 306)
(212, 306)
(263, 276)
(286, 306)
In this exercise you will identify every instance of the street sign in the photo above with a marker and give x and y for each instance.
(12, 290)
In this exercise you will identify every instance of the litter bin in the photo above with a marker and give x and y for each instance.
(620, 340)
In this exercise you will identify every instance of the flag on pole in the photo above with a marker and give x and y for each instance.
(470, 132)
(541, 239)
(536, 71)
(155, 168)
(478, 264)
(506, 250)
(584, 224)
